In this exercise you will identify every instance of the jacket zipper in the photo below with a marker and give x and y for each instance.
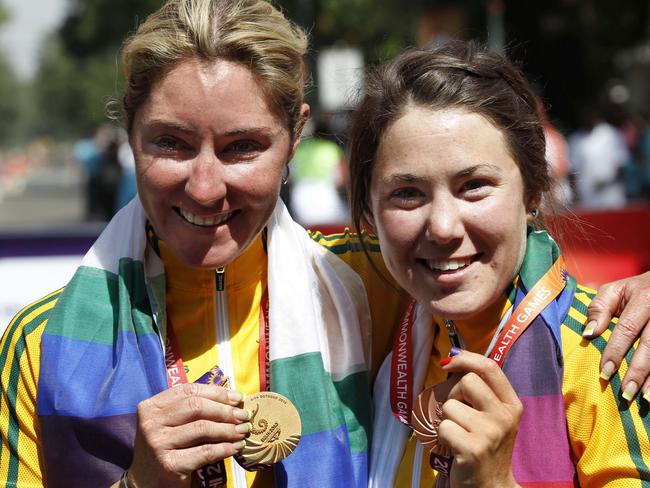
(222, 325)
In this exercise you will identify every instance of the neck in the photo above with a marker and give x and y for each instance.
(477, 332)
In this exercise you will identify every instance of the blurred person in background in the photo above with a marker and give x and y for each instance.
(318, 179)
(108, 180)
(87, 152)
(598, 153)
(557, 156)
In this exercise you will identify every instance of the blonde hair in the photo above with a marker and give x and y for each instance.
(252, 32)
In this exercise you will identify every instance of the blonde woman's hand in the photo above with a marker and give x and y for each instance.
(480, 421)
(630, 300)
(182, 429)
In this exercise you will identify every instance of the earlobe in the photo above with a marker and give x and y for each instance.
(305, 110)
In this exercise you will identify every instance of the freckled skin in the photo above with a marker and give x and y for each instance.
(444, 187)
(207, 142)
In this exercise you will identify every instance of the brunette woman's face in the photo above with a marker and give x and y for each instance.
(447, 203)
(210, 155)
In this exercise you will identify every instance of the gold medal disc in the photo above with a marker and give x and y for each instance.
(275, 433)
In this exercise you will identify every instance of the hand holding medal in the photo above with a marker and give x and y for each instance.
(480, 419)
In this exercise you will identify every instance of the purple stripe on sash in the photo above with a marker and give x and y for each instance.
(86, 452)
(542, 448)
(532, 365)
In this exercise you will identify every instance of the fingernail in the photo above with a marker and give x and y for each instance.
(630, 390)
(646, 395)
(239, 445)
(455, 351)
(241, 414)
(445, 361)
(244, 428)
(235, 396)
(589, 329)
(607, 371)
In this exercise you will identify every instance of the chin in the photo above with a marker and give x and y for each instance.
(451, 307)
(210, 259)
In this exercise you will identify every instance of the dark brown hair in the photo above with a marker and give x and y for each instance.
(460, 75)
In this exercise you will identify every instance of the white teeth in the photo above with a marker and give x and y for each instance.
(451, 264)
(204, 221)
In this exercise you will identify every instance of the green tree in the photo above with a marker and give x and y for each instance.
(10, 93)
(80, 68)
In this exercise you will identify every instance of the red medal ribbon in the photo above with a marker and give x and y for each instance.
(175, 369)
(264, 361)
(401, 371)
(537, 299)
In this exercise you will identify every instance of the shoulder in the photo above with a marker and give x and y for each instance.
(21, 341)
(27, 320)
(345, 242)
(609, 436)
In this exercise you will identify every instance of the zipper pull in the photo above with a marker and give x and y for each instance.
(220, 277)
(451, 332)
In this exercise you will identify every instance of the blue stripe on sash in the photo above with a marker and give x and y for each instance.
(305, 467)
(85, 379)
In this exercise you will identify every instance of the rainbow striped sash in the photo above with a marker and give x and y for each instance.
(102, 354)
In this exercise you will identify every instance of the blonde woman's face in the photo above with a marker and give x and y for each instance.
(448, 206)
(210, 156)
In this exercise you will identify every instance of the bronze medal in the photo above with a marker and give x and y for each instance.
(275, 433)
(426, 417)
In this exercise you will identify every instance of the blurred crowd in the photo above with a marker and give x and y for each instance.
(603, 164)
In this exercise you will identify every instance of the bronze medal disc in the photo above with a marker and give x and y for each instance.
(275, 433)
(427, 415)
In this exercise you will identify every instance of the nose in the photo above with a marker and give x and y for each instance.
(444, 221)
(206, 183)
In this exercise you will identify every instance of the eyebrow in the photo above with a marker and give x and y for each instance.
(189, 129)
(477, 167)
(414, 178)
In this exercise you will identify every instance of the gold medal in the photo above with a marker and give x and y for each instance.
(275, 433)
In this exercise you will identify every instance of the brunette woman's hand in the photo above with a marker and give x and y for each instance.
(480, 422)
(630, 300)
(182, 429)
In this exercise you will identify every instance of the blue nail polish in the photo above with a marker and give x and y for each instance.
(455, 351)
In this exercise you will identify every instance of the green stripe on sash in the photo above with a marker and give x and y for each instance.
(97, 295)
(616, 384)
(324, 404)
